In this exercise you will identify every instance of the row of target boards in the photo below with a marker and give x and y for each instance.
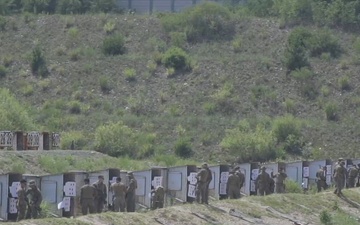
(34, 140)
(62, 191)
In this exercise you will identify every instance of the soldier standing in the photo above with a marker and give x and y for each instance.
(242, 178)
(263, 182)
(130, 193)
(233, 186)
(101, 194)
(321, 179)
(340, 177)
(353, 174)
(35, 199)
(202, 178)
(279, 181)
(119, 191)
(158, 198)
(87, 197)
(21, 201)
(209, 179)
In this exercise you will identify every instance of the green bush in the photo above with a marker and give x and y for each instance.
(109, 27)
(74, 107)
(325, 218)
(343, 82)
(130, 74)
(114, 45)
(183, 148)
(322, 41)
(285, 126)
(3, 71)
(176, 58)
(105, 84)
(116, 140)
(13, 114)
(69, 6)
(178, 39)
(237, 44)
(204, 21)
(303, 74)
(294, 11)
(105, 6)
(80, 140)
(331, 111)
(296, 55)
(250, 145)
(39, 6)
(38, 62)
(261, 8)
(292, 187)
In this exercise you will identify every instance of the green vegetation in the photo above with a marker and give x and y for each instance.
(114, 45)
(206, 69)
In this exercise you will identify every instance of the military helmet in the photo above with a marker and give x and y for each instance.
(263, 168)
(204, 165)
(23, 181)
(341, 159)
(32, 182)
(129, 174)
(342, 163)
(237, 167)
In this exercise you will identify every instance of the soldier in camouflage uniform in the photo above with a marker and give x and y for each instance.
(130, 193)
(340, 177)
(279, 181)
(119, 191)
(22, 201)
(321, 179)
(158, 197)
(242, 178)
(87, 197)
(263, 182)
(101, 194)
(353, 174)
(233, 186)
(209, 179)
(202, 178)
(35, 199)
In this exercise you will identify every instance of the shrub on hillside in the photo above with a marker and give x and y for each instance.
(80, 140)
(116, 140)
(183, 148)
(130, 74)
(331, 111)
(204, 21)
(14, 116)
(178, 39)
(39, 6)
(292, 187)
(285, 126)
(105, 85)
(38, 62)
(343, 82)
(295, 54)
(114, 45)
(322, 41)
(104, 6)
(250, 145)
(302, 74)
(261, 8)
(74, 107)
(293, 11)
(176, 58)
(69, 6)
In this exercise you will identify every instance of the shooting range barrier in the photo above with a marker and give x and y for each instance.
(9, 183)
(181, 184)
(217, 187)
(62, 191)
(34, 140)
(146, 181)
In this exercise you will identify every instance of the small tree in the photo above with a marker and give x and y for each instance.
(114, 45)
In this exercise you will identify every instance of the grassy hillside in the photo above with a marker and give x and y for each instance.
(327, 209)
(238, 77)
